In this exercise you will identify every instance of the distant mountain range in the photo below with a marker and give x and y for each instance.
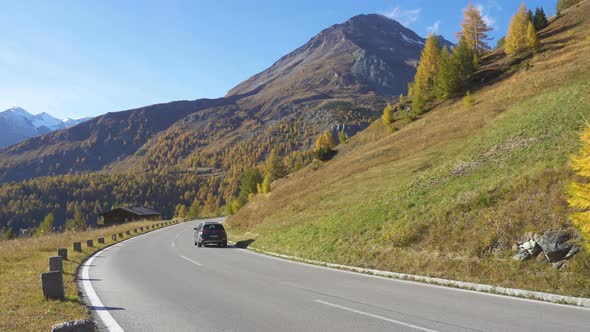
(16, 125)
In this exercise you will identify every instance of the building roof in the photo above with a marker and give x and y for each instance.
(137, 210)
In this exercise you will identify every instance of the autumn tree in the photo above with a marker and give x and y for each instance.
(46, 225)
(181, 212)
(388, 115)
(579, 191)
(324, 146)
(195, 209)
(532, 39)
(421, 87)
(501, 42)
(210, 204)
(342, 137)
(274, 165)
(401, 100)
(265, 185)
(516, 40)
(475, 30)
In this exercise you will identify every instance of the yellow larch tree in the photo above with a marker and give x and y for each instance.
(579, 191)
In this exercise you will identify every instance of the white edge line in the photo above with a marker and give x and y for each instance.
(376, 316)
(107, 319)
(391, 276)
(192, 261)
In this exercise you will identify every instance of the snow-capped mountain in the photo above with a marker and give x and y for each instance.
(16, 125)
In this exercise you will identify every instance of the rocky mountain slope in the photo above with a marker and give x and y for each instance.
(16, 125)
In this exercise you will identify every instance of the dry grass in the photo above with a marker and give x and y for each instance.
(22, 260)
(448, 194)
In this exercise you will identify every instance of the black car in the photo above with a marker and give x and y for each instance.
(210, 233)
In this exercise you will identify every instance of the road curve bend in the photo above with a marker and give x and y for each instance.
(161, 281)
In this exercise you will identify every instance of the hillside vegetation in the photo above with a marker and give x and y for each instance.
(449, 194)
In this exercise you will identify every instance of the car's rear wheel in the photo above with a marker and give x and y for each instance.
(224, 244)
(199, 244)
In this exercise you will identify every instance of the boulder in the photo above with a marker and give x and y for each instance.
(554, 245)
(526, 250)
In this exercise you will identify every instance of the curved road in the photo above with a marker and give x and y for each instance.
(161, 281)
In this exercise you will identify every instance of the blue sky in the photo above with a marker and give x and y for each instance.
(84, 58)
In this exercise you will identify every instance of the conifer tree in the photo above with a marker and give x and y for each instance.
(579, 192)
(324, 146)
(79, 220)
(274, 165)
(265, 187)
(182, 212)
(501, 42)
(421, 87)
(517, 32)
(46, 225)
(342, 137)
(195, 209)
(447, 78)
(532, 39)
(463, 59)
(401, 100)
(475, 30)
(540, 19)
(388, 115)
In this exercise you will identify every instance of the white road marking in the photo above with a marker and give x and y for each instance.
(190, 260)
(376, 316)
(415, 282)
(108, 320)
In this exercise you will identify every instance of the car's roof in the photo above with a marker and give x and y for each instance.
(211, 223)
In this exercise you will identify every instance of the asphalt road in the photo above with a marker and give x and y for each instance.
(162, 282)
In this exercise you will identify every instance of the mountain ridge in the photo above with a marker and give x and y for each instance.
(17, 124)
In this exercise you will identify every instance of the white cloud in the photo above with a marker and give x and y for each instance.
(404, 16)
(485, 15)
(433, 28)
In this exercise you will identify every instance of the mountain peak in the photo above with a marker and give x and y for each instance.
(368, 53)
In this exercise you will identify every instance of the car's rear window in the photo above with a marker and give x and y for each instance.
(213, 227)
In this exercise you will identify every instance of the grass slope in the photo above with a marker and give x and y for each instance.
(22, 306)
(448, 195)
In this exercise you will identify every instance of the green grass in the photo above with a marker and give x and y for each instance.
(447, 195)
(22, 260)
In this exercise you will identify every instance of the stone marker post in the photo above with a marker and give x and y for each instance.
(135, 230)
(128, 232)
(63, 253)
(55, 264)
(101, 240)
(90, 243)
(78, 246)
(120, 235)
(52, 284)
(114, 237)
